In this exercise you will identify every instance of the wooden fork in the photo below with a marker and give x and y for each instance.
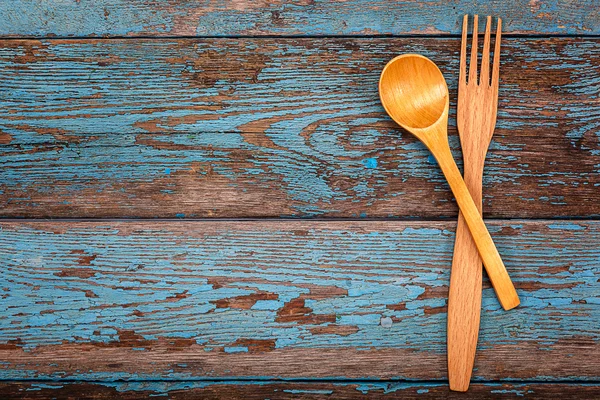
(476, 119)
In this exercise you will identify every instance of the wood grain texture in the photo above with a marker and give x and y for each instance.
(113, 300)
(279, 127)
(305, 17)
(255, 390)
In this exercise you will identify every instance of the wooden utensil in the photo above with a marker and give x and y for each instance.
(414, 93)
(476, 119)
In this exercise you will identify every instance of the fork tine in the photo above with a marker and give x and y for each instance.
(484, 74)
(462, 77)
(496, 67)
(473, 65)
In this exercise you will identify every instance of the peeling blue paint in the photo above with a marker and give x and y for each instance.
(391, 387)
(566, 226)
(238, 349)
(363, 263)
(105, 17)
(268, 305)
(40, 386)
(165, 388)
(341, 113)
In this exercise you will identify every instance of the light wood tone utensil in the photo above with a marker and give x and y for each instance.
(414, 93)
(476, 119)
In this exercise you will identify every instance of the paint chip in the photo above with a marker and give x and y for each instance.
(370, 163)
(386, 322)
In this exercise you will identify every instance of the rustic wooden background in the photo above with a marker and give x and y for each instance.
(204, 199)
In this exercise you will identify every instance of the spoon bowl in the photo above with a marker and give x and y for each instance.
(414, 93)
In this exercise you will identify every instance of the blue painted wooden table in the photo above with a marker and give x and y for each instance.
(205, 199)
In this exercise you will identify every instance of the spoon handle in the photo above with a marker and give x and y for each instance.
(505, 290)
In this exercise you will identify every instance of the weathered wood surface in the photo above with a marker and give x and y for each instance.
(283, 127)
(305, 17)
(279, 127)
(113, 300)
(274, 390)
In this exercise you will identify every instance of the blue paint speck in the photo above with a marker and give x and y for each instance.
(370, 163)
(168, 171)
(180, 215)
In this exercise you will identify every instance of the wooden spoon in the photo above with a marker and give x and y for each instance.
(414, 93)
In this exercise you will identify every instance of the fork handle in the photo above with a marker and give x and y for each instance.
(505, 290)
(464, 298)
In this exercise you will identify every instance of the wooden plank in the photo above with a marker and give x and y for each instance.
(307, 17)
(255, 390)
(113, 300)
(279, 127)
